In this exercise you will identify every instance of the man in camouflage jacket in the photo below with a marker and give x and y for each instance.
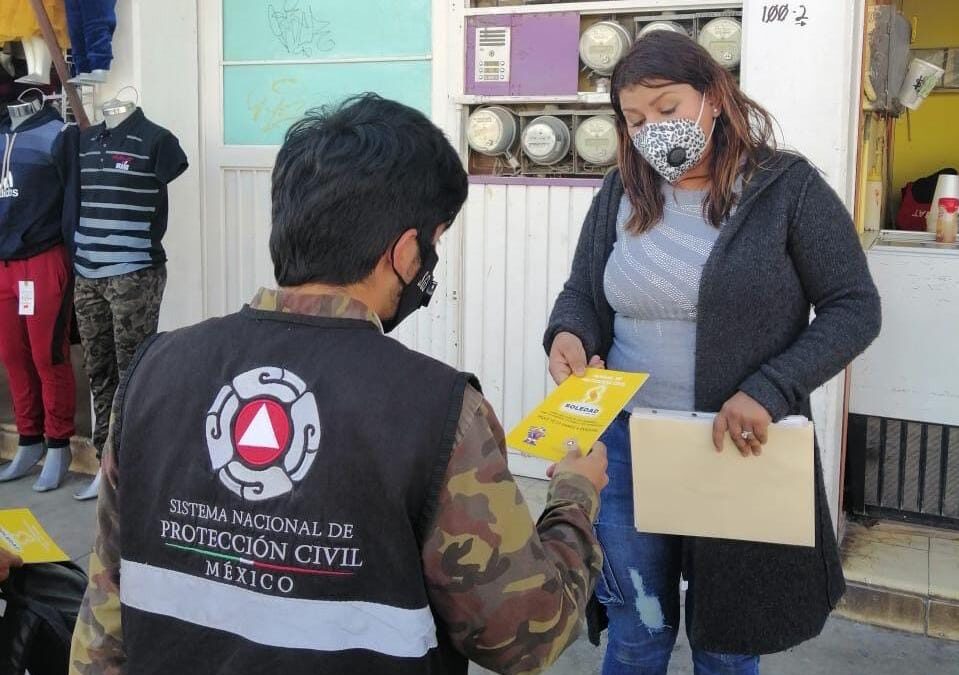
(508, 593)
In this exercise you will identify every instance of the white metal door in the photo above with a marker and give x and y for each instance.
(236, 182)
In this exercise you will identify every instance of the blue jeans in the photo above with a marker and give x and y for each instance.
(640, 583)
(91, 24)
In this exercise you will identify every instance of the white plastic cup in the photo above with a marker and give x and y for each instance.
(946, 187)
(921, 79)
(948, 222)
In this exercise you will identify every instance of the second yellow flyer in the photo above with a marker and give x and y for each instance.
(22, 533)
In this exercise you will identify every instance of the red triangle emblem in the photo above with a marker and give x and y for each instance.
(261, 433)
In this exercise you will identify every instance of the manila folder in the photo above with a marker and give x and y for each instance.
(681, 485)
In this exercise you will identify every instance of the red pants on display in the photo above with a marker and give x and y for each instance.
(35, 346)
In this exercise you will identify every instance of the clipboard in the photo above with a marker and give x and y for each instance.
(681, 485)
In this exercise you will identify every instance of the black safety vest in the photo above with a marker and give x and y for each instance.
(277, 476)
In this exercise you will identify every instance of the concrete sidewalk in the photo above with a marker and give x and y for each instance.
(845, 648)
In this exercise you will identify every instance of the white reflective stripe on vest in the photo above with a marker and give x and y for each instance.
(293, 623)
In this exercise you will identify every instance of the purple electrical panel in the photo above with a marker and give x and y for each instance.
(522, 54)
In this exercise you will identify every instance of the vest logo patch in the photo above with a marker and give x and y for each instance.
(263, 433)
(122, 162)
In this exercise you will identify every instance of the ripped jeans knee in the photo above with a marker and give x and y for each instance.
(640, 589)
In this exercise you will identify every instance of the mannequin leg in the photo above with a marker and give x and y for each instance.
(49, 333)
(55, 468)
(95, 321)
(39, 61)
(99, 23)
(25, 385)
(92, 490)
(78, 49)
(26, 458)
(96, 326)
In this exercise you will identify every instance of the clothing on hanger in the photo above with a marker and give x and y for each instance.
(123, 213)
(120, 260)
(17, 21)
(39, 184)
(91, 24)
(39, 203)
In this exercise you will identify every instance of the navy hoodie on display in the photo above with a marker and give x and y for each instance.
(39, 185)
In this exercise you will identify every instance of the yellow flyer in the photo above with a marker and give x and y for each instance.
(581, 409)
(22, 533)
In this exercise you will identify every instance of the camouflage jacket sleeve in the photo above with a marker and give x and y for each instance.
(97, 647)
(509, 593)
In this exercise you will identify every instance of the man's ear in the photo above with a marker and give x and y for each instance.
(405, 255)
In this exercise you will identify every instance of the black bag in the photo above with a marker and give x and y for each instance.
(43, 601)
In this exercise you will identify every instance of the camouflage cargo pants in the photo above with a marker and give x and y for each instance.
(114, 315)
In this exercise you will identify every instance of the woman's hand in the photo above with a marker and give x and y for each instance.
(746, 421)
(567, 357)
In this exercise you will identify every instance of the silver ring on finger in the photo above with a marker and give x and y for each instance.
(746, 435)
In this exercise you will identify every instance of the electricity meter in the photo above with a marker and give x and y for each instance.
(546, 140)
(492, 130)
(596, 140)
(722, 38)
(602, 45)
(662, 25)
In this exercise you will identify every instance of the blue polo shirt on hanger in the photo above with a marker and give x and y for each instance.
(124, 174)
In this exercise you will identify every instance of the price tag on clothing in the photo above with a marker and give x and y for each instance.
(27, 298)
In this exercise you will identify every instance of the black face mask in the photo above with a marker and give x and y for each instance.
(418, 292)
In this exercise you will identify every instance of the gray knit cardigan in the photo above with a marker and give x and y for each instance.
(789, 247)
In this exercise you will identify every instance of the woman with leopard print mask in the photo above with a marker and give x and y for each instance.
(699, 262)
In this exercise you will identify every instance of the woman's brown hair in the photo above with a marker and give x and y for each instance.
(744, 130)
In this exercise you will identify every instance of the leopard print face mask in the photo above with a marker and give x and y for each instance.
(673, 147)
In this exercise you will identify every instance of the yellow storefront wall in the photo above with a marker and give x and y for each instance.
(928, 139)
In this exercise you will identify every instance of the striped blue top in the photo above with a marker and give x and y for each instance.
(652, 284)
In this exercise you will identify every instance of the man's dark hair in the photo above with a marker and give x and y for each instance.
(349, 180)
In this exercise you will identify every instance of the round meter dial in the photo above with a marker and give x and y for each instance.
(546, 140)
(492, 130)
(723, 38)
(602, 45)
(596, 140)
(662, 25)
